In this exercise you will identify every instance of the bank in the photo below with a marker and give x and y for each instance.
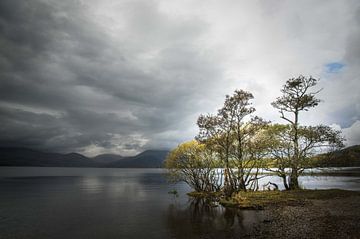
(329, 213)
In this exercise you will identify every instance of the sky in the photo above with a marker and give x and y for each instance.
(123, 76)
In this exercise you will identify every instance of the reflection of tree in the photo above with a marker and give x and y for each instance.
(202, 220)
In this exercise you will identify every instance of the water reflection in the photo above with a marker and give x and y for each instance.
(120, 203)
(200, 219)
(117, 188)
(318, 182)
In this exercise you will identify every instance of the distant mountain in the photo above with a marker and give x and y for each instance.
(107, 158)
(30, 157)
(146, 159)
(347, 157)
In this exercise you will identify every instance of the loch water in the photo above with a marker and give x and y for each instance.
(40, 202)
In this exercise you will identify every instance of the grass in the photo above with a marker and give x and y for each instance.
(262, 199)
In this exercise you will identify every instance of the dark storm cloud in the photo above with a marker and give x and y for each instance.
(68, 84)
(122, 76)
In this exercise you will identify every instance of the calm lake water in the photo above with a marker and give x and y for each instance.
(120, 203)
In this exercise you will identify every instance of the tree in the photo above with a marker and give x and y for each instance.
(233, 136)
(233, 113)
(215, 134)
(254, 153)
(297, 143)
(279, 150)
(194, 164)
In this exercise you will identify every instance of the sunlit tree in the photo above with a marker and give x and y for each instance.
(194, 164)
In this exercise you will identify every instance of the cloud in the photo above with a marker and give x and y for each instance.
(124, 76)
(352, 133)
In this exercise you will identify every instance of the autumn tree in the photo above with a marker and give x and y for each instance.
(294, 143)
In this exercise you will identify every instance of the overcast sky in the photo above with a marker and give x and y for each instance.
(122, 76)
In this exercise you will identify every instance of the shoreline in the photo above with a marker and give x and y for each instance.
(329, 213)
(317, 218)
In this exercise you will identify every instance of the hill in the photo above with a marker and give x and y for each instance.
(347, 157)
(35, 158)
(146, 159)
(30, 157)
(107, 158)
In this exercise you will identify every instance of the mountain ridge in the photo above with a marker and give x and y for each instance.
(17, 156)
(107, 158)
(146, 159)
(346, 157)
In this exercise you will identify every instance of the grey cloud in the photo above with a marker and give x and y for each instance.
(352, 133)
(105, 91)
(344, 86)
(124, 76)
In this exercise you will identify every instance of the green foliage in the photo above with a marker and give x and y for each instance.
(237, 140)
(174, 192)
(194, 163)
(296, 96)
(294, 145)
(242, 143)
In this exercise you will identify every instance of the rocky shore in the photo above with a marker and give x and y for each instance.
(337, 217)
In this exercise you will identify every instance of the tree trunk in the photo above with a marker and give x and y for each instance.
(228, 189)
(294, 182)
(285, 182)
